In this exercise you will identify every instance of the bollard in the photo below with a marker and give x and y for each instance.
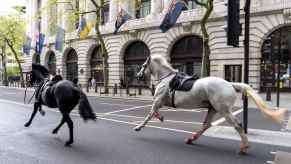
(115, 89)
(87, 88)
(139, 91)
(153, 89)
(96, 88)
(127, 90)
(268, 94)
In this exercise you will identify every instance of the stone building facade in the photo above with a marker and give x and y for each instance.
(141, 36)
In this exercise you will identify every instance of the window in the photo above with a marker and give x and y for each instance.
(96, 63)
(72, 65)
(186, 55)
(276, 53)
(52, 63)
(77, 17)
(191, 4)
(135, 55)
(143, 9)
(233, 73)
(105, 13)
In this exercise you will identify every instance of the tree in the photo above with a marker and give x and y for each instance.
(208, 5)
(12, 31)
(3, 59)
(99, 7)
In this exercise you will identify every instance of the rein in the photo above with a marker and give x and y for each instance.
(39, 86)
(165, 76)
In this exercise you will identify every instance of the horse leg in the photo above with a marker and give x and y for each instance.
(42, 112)
(235, 123)
(55, 131)
(70, 126)
(155, 107)
(206, 124)
(35, 108)
(158, 116)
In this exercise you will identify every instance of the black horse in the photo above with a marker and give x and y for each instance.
(58, 93)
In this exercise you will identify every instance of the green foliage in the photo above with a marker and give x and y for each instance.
(12, 29)
(13, 71)
(12, 33)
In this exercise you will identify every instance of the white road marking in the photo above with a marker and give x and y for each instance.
(180, 110)
(128, 109)
(221, 120)
(16, 103)
(166, 120)
(270, 162)
(115, 104)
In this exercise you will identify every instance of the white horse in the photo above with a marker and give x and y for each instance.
(216, 94)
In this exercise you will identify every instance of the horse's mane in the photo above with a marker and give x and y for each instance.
(162, 61)
(41, 69)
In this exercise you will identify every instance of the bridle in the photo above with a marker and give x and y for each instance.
(144, 67)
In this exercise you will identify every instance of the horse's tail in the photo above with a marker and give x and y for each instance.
(85, 108)
(276, 115)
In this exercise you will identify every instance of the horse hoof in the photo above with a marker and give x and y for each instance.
(55, 131)
(137, 129)
(27, 124)
(42, 112)
(162, 119)
(188, 141)
(68, 143)
(243, 150)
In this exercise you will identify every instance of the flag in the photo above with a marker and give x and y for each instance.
(39, 43)
(174, 11)
(27, 45)
(84, 28)
(122, 17)
(60, 37)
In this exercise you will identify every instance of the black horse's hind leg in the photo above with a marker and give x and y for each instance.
(55, 131)
(71, 127)
(36, 106)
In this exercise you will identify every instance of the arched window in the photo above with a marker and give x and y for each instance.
(186, 55)
(51, 63)
(72, 65)
(276, 53)
(143, 8)
(96, 63)
(36, 58)
(135, 55)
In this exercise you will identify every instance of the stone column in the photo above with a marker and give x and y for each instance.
(156, 7)
(166, 4)
(113, 9)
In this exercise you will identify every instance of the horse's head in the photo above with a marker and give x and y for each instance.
(145, 69)
(37, 74)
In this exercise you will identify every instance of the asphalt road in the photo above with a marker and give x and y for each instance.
(112, 140)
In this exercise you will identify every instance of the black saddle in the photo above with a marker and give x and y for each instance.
(182, 82)
(48, 88)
